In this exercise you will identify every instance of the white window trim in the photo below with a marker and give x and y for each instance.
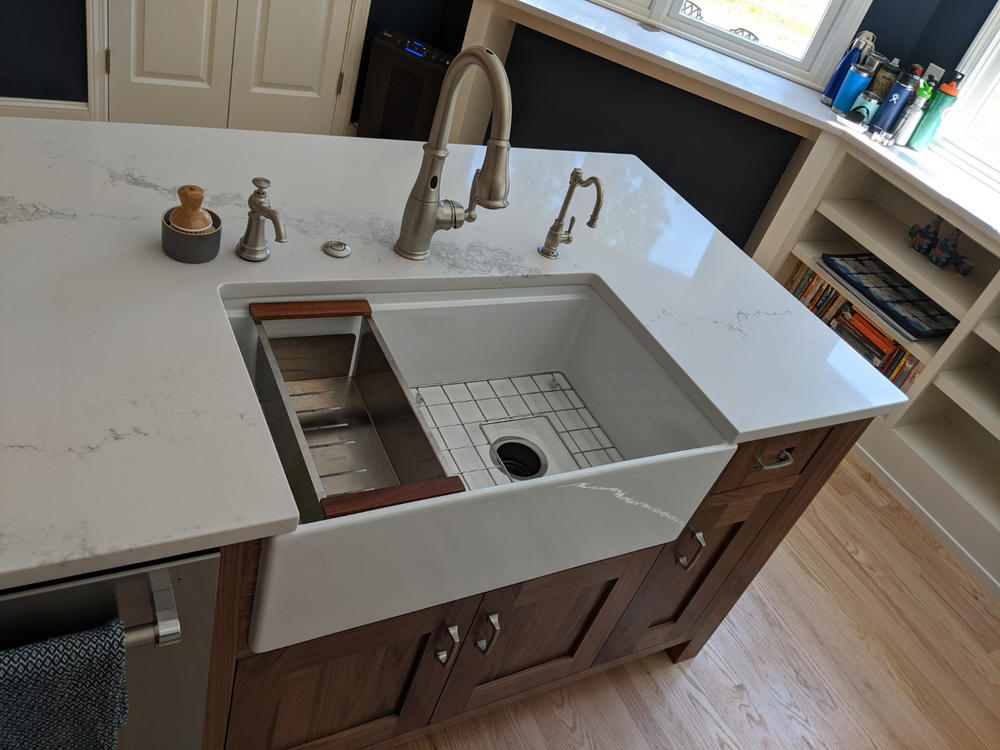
(831, 40)
(981, 64)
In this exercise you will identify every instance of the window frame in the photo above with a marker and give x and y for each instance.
(833, 36)
(981, 64)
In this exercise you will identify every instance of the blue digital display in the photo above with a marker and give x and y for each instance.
(415, 48)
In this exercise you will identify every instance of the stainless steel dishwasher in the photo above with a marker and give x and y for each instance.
(167, 609)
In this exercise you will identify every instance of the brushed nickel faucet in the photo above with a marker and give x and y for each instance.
(425, 212)
(253, 245)
(555, 235)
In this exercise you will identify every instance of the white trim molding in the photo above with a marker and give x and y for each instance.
(96, 108)
(981, 64)
(832, 37)
(351, 65)
(97, 46)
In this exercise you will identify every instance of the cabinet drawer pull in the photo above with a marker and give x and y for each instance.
(445, 654)
(683, 560)
(784, 459)
(485, 645)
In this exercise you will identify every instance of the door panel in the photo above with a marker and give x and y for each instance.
(171, 61)
(288, 58)
(348, 689)
(540, 631)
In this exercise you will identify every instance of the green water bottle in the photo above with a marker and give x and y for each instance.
(941, 100)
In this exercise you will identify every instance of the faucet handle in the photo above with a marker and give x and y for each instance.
(261, 183)
(568, 234)
(470, 212)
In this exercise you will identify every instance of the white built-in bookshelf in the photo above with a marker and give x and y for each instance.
(943, 449)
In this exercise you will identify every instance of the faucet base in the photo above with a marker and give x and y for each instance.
(548, 252)
(255, 253)
(410, 255)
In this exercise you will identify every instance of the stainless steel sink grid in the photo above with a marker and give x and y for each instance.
(454, 414)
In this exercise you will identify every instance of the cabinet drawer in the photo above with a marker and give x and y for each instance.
(770, 459)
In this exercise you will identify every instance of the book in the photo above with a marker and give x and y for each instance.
(804, 279)
(795, 277)
(851, 337)
(828, 292)
(871, 331)
(806, 285)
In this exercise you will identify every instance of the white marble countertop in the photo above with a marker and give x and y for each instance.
(129, 429)
(945, 183)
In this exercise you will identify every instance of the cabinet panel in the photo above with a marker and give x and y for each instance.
(687, 573)
(288, 58)
(348, 689)
(534, 633)
(171, 61)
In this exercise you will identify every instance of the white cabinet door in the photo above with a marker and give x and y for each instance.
(171, 61)
(287, 62)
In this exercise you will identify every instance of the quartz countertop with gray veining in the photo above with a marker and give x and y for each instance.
(129, 428)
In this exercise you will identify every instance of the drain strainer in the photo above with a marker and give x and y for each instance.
(520, 458)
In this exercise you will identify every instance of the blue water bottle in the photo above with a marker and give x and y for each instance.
(856, 81)
(860, 48)
(893, 105)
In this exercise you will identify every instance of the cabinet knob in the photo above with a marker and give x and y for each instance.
(444, 655)
(683, 560)
(484, 644)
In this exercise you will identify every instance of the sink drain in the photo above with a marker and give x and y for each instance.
(521, 458)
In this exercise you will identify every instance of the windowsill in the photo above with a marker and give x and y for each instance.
(962, 192)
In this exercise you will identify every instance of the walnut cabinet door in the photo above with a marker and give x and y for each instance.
(534, 633)
(349, 689)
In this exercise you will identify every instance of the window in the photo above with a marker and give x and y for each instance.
(971, 132)
(798, 39)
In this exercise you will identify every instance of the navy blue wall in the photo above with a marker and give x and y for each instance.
(923, 31)
(43, 50)
(722, 162)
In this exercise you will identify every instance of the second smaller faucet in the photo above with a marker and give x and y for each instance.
(556, 235)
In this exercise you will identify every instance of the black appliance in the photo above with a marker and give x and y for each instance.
(401, 87)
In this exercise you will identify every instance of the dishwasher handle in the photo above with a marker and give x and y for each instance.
(165, 629)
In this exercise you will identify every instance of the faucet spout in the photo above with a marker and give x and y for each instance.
(425, 211)
(279, 225)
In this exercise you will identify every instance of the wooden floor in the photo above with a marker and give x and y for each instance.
(862, 631)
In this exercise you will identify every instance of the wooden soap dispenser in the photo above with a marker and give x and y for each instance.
(190, 216)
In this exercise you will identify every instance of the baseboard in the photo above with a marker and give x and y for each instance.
(936, 527)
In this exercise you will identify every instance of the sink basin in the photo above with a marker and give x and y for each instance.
(576, 435)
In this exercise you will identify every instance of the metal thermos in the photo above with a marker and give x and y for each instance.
(857, 80)
(908, 121)
(892, 106)
(866, 105)
(860, 48)
(884, 77)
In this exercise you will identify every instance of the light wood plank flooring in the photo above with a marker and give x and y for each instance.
(862, 631)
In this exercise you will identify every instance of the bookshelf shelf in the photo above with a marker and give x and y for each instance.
(976, 390)
(942, 449)
(988, 330)
(960, 460)
(885, 235)
(810, 253)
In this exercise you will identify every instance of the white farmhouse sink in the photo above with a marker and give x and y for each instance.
(663, 455)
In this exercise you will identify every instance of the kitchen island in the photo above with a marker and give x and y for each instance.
(129, 427)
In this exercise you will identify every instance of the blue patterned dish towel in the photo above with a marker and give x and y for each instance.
(65, 693)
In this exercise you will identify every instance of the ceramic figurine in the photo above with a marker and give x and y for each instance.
(946, 250)
(924, 239)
